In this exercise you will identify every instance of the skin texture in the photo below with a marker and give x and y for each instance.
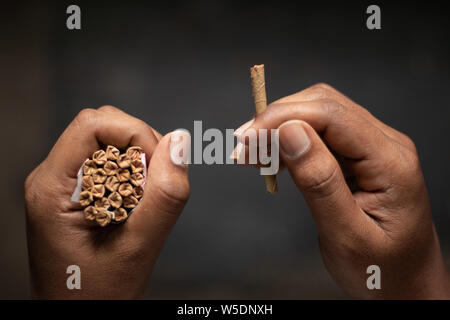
(116, 261)
(364, 186)
(361, 179)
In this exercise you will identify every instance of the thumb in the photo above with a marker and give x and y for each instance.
(166, 190)
(318, 176)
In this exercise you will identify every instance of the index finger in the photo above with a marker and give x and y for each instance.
(90, 130)
(344, 131)
(367, 148)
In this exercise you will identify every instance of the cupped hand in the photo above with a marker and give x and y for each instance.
(115, 261)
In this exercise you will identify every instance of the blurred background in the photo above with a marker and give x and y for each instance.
(179, 61)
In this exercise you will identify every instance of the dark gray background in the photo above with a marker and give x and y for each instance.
(170, 64)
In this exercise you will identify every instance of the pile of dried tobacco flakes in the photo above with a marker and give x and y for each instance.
(112, 184)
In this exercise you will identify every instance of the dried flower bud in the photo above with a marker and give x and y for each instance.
(137, 166)
(134, 153)
(98, 190)
(120, 214)
(137, 179)
(130, 202)
(99, 157)
(112, 153)
(110, 168)
(112, 183)
(123, 175)
(103, 218)
(89, 167)
(87, 183)
(101, 203)
(124, 161)
(138, 192)
(99, 176)
(125, 189)
(86, 198)
(115, 200)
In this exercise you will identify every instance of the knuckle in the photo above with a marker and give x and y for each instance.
(323, 86)
(332, 107)
(108, 108)
(409, 143)
(318, 91)
(411, 164)
(31, 194)
(28, 188)
(405, 166)
(30, 185)
(86, 116)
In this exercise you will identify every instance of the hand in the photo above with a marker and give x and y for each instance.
(115, 261)
(364, 186)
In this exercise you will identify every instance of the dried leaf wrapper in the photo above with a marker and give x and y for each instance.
(124, 161)
(103, 218)
(102, 203)
(110, 168)
(99, 157)
(112, 153)
(125, 189)
(130, 202)
(120, 214)
(89, 167)
(115, 200)
(137, 179)
(137, 166)
(134, 153)
(98, 191)
(138, 192)
(90, 213)
(86, 198)
(123, 175)
(112, 183)
(99, 176)
(87, 183)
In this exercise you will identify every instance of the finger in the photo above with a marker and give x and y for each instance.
(241, 156)
(322, 91)
(112, 109)
(89, 131)
(345, 133)
(166, 190)
(319, 178)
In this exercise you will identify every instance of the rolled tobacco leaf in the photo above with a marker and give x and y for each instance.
(111, 184)
(260, 99)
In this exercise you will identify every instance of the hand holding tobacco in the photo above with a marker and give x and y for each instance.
(115, 260)
(364, 186)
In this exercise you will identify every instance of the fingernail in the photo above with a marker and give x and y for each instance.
(233, 154)
(180, 147)
(294, 142)
(244, 127)
(237, 152)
